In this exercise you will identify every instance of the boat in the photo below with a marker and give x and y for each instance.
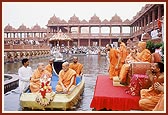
(55, 100)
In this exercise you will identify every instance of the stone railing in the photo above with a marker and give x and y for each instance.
(25, 47)
(98, 35)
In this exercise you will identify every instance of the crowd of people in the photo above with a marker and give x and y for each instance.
(119, 64)
(156, 32)
(86, 50)
(22, 41)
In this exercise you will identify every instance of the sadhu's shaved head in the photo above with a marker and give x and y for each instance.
(75, 59)
(65, 64)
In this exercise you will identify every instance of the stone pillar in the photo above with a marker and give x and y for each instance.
(89, 29)
(57, 28)
(14, 34)
(135, 27)
(120, 29)
(141, 24)
(99, 42)
(41, 35)
(31, 35)
(69, 29)
(79, 29)
(48, 30)
(20, 35)
(25, 36)
(159, 12)
(110, 30)
(144, 21)
(148, 18)
(131, 30)
(88, 42)
(78, 42)
(153, 16)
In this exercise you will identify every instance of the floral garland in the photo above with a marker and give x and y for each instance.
(46, 100)
(45, 95)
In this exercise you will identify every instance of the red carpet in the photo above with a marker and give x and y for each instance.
(112, 97)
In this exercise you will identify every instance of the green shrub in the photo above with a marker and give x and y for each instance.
(150, 45)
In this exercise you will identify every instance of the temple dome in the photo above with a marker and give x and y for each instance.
(115, 18)
(74, 19)
(84, 22)
(126, 21)
(94, 19)
(105, 21)
(22, 28)
(54, 20)
(8, 28)
(36, 27)
(63, 22)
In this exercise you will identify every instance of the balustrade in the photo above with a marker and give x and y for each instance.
(25, 47)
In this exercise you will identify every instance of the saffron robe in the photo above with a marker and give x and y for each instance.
(113, 56)
(123, 54)
(144, 56)
(77, 67)
(156, 58)
(65, 78)
(151, 98)
(160, 105)
(35, 80)
(49, 68)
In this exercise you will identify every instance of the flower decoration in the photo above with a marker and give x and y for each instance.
(45, 95)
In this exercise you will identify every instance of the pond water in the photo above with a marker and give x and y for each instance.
(93, 66)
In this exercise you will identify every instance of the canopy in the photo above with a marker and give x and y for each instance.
(60, 36)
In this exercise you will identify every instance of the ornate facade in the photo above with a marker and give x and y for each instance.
(80, 31)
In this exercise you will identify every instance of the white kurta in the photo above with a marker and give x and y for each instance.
(24, 77)
(154, 34)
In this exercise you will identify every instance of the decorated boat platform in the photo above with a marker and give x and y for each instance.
(53, 100)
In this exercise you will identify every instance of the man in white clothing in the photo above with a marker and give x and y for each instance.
(142, 35)
(154, 33)
(25, 72)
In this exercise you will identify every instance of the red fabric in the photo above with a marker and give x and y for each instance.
(137, 83)
(159, 24)
(112, 97)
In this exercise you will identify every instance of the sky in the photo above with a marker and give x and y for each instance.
(32, 13)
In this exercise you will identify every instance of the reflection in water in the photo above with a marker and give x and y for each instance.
(93, 65)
